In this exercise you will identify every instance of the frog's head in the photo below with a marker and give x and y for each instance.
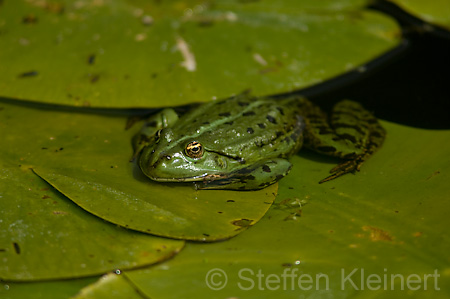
(188, 160)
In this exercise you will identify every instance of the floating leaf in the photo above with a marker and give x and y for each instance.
(434, 12)
(178, 212)
(108, 286)
(86, 157)
(390, 218)
(43, 289)
(152, 54)
(43, 235)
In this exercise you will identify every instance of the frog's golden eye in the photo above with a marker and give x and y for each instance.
(194, 150)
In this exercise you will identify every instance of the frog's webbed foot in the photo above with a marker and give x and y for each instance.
(350, 166)
(352, 133)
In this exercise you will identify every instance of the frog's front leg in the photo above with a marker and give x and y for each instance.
(152, 126)
(253, 177)
(352, 133)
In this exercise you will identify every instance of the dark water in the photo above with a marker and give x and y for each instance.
(412, 88)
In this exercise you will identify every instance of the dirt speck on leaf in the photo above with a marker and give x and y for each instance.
(433, 175)
(377, 234)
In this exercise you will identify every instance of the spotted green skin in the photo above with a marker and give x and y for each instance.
(247, 141)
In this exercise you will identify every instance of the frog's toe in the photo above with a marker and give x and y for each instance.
(349, 166)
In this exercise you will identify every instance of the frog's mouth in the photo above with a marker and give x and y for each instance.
(203, 177)
(161, 173)
(173, 168)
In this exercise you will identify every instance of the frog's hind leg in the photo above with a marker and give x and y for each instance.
(352, 133)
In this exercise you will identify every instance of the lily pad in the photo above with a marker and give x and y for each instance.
(44, 289)
(86, 157)
(43, 235)
(434, 12)
(110, 285)
(153, 54)
(389, 219)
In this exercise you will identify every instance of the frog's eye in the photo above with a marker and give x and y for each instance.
(194, 150)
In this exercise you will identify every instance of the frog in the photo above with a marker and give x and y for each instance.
(244, 142)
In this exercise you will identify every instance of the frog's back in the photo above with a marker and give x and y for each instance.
(245, 127)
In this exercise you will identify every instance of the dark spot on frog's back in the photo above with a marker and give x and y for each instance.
(249, 113)
(250, 130)
(229, 123)
(259, 143)
(281, 110)
(271, 119)
(225, 114)
(262, 126)
(266, 168)
(248, 177)
(242, 104)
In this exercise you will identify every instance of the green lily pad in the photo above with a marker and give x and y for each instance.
(435, 12)
(43, 235)
(152, 54)
(390, 218)
(86, 157)
(108, 286)
(44, 289)
(178, 212)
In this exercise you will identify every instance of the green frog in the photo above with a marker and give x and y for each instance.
(243, 142)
